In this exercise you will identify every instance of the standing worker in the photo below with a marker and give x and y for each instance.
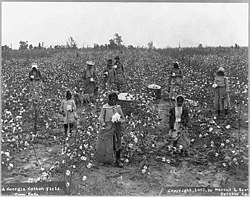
(178, 122)
(35, 78)
(89, 77)
(221, 98)
(109, 75)
(119, 70)
(68, 110)
(174, 80)
(110, 136)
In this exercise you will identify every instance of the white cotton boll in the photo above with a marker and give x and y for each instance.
(69, 108)
(116, 117)
(214, 85)
(115, 66)
(211, 129)
(178, 120)
(91, 79)
(89, 165)
(84, 178)
(83, 158)
(7, 154)
(67, 172)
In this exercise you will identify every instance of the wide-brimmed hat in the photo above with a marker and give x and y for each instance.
(34, 65)
(91, 63)
(221, 69)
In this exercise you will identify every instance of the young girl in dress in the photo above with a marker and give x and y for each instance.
(68, 109)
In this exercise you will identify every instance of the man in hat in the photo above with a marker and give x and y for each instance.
(221, 87)
(89, 77)
(174, 79)
(119, 70)
(109, 75)
(35, 78)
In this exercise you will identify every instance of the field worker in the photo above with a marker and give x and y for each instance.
(178, 121)
(35, 78)
(89, 77)
(221, 87)
(109, 75)
(109, 138)
(174, 79)
(119, 70)
(68, 110)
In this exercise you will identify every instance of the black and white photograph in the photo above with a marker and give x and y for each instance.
(124, 98)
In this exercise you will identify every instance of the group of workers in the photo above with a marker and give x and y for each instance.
(111, 116)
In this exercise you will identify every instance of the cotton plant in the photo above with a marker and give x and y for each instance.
(116, 118)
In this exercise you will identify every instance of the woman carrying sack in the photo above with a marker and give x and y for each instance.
(178, 121)
(109, 138)
(68, 109)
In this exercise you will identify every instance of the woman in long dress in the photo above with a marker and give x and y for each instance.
(109, 138)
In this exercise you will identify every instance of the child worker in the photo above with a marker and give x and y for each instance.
(178, 121)
(109, 137)
(68, 109)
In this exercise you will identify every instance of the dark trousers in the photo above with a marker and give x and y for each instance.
(70, 125)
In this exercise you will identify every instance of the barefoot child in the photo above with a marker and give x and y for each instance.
(178, 120)
(68, 109)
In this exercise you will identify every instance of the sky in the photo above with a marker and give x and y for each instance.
(166, 24)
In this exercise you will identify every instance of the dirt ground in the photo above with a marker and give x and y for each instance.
(109, 180)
